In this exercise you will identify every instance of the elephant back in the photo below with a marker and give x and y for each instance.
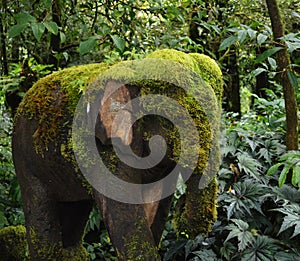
(51, 103)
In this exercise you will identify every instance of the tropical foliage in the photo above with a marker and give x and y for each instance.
(259, 180)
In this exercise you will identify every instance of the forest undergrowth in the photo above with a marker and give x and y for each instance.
(258, 212)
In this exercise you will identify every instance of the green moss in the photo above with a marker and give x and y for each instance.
(52, 101)
(47, 250)
(13, 247)
(202, 64)
(176, 56)
(137, 251)
(198, 211)
(13, 244)
(209, 70)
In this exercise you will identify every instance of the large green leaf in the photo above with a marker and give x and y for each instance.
(51, 27)
(174, 249)
(267, 54)
(16, 30)
(273, 63)
(296, 176)
(252, 33)
(119, 42)
(258, 71)
(261, 38)
(3, 220)
(24, 18)
(248, 164)
(262, 248)
(286, 193)
(88, 45)
(38, 29)
(228, 42)
(292, 218)
(244, 197)
(240, 230)
(290, 155)
(293, 79)
(274, 168)
(62, 37)
(242, 34)
(283, 176)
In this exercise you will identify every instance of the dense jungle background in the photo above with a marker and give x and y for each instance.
(259, 54)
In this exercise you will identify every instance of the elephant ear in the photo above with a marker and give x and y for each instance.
(115, 120)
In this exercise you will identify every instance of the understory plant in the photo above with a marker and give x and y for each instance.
(10, 198)
(258, 215)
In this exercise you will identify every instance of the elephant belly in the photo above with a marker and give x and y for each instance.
(55, 173)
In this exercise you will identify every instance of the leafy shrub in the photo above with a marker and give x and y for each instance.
(290, 162)
(97, 241)
(257, 219)
(10, 198)
(258, 215)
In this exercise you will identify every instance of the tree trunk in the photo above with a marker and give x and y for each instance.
(55, 39)
(262, 80)
(232, 90)
(235, 100)
(230, 65)
(4, 63)
(283, 61)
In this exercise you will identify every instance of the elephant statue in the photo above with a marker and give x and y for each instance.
(58, 195)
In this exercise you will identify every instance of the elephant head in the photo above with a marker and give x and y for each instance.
(115, 97)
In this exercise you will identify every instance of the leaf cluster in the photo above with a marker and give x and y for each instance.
(257, 219)
(11, 212)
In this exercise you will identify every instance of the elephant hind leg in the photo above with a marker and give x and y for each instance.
(42, 220)
(54, 229)
(73, 217)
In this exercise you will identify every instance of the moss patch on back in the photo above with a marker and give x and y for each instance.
(52, 101)
(210, 72)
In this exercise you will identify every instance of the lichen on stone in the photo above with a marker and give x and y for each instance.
(47, 250)
(198, 211)
(137, 246)
(13, 244)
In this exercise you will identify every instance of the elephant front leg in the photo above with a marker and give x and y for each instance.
(128, 229)
(127, 223)
(157, 211)
(197, 213)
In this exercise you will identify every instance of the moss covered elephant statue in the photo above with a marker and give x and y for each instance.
(58, 194)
